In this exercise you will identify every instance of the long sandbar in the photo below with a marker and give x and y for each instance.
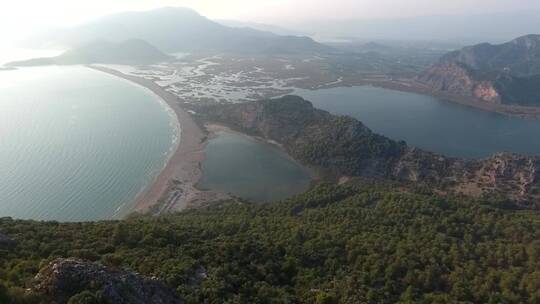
(174, 188)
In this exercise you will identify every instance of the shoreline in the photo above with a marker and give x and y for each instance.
(174, 187)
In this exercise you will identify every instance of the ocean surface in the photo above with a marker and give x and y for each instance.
(429, 123)
(251, 169)
(77, 144)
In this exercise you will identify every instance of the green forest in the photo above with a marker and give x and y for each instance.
(355, 243)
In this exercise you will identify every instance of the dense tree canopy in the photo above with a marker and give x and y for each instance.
(333, 244)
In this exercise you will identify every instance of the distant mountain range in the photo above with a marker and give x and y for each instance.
(177, 30)
(278, 30)
(132, 51)
(507, 73)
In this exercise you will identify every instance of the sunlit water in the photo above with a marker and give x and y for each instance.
(251, 169)
(429, 123)
(77, 144)
(10, 53)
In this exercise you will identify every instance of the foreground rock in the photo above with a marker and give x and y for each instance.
(342, 146)
(65, 278)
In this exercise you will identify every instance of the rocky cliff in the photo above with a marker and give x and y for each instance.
(507, 73)
(63, 279)
(343, 146)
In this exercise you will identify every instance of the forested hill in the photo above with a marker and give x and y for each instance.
(343, 146)
(355, 243)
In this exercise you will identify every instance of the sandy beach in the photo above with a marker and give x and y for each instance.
(174, 188)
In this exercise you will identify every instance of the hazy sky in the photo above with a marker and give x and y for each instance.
(18, 17)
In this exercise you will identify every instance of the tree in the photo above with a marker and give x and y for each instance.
(85, 297)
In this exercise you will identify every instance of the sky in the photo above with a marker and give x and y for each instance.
(20, 17)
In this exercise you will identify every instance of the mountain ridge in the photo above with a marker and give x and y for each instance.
(507, 73)
(176, 29)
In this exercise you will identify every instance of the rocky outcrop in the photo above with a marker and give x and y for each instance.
(505, 73)
(343, 146)
(65, 278)
(515, 175)
(456, 79)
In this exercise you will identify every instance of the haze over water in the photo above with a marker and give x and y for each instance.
(77, 144)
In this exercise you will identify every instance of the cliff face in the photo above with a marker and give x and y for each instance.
(344, 146)
(65, 278)
(456, 79)
(505, 73)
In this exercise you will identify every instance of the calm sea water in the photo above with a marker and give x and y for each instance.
(77, 144)
(429, 123)
(251, 169)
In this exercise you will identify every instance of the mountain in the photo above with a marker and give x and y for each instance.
(507, 73)
(178, 30)
(340, 146)
(132, 51)
(262, 27)
(360, 242)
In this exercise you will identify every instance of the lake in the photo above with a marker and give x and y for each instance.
(429, 123)
(77, 144)
(251, 169)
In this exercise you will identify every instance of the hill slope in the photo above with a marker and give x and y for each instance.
(179, 30)
(508, 73)
(128, 52)
(356, 243)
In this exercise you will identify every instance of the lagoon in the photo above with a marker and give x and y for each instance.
(251, 169)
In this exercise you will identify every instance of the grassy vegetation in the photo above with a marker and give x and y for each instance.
(334, 244)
